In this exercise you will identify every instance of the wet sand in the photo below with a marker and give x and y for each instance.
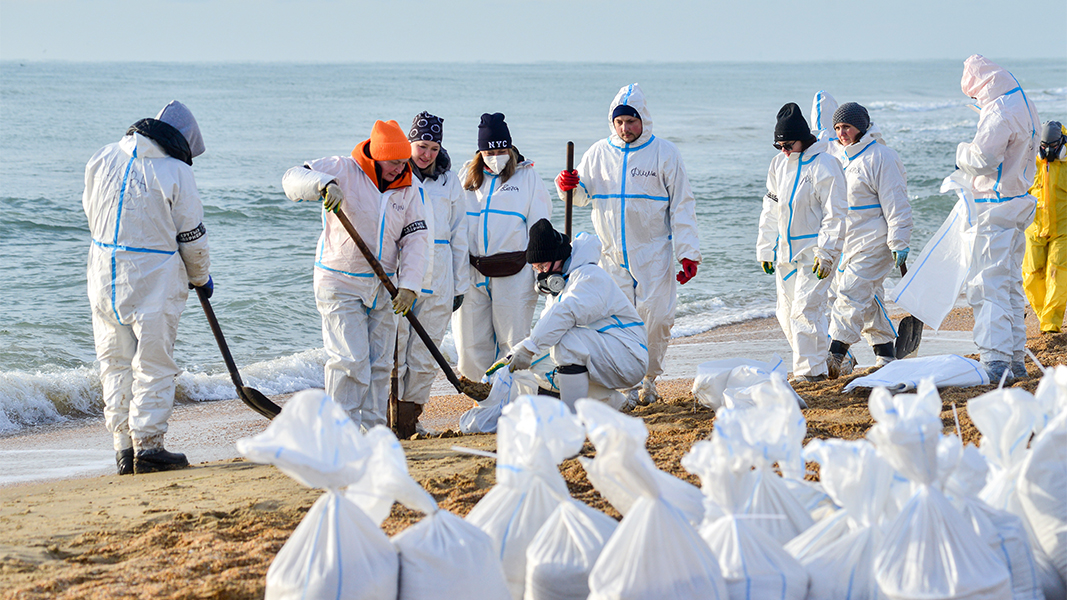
(211, 531)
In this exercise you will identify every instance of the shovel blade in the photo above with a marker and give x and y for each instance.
(909, 335)
(258, 402)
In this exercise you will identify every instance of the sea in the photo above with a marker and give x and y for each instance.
(260, 119)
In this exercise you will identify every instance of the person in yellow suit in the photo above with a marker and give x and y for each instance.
(1045, 263)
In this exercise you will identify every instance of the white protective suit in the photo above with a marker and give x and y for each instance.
(450, 277)
(497, 311)
(803, 218)
(592, 323)
(358, 323)
(149, 243)
(641, 203)
(1000, 160)
(878, 223)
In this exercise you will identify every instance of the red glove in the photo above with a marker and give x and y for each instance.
(567, 180)
(689, 271)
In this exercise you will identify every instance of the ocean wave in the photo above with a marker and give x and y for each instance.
(898, 106)
(698, 317)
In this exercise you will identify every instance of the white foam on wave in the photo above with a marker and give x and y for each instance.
(698, 317)
(28, 399)
(890, 105)
(282, 375)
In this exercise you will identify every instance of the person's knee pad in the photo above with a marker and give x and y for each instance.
(572, 369)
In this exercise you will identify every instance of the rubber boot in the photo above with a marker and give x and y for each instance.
(997, 369)
(884, 353)
(573, 381)
(124, 461)
(407, 418)
(835, 360)
(1018, 365)
(150, 457)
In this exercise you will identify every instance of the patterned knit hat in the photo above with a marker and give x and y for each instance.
(426, 127)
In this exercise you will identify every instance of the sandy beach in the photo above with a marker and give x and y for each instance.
(211, 531)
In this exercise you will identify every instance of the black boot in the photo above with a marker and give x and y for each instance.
(124, 461)
(158, 459)
(407, 417)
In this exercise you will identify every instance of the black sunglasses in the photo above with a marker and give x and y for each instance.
(779, 146)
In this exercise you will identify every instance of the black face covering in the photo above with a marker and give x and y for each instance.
(550, 283)
(1050, 152)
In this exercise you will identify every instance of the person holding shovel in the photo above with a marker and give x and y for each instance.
(449, 279)
(149, 249)
(643, 213)
(505, 197)
(373, 188)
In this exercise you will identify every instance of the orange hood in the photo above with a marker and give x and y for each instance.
(367, 164)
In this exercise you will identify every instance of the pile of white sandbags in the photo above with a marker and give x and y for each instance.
(907, 513)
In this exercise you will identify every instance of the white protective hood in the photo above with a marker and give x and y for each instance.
(631, 95)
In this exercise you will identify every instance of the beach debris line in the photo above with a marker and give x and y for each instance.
(252, 397)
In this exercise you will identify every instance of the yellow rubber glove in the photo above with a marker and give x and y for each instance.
(768, 267)
(500, 364)
(822, 268)
(332, 197)
(404, 300)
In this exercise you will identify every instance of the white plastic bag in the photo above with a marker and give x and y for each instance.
(929, 551)
(655, 552)
(945, 369)
(563, 552)
(507, 386)
(336, 551)
(1042, 491)
(715, 377)
(752, 563)
(840, 559)
(936, 278)
(536, 433)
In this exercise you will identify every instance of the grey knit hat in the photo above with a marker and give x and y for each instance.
(853, 114)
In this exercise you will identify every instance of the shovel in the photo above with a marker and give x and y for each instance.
(250, 396)
(478, 391)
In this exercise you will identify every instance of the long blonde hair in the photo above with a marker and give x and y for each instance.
(475, 175)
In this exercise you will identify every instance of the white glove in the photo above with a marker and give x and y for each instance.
(404, 300)
(332, 197)
(521, 358)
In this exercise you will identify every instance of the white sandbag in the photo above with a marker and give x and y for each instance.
(336, 551)
(443, 557)
(1003, 531)
(752, 563)
(536, 433)
(714, 377)
(507, 386)
(1042, 491)
(936, 278)
(1006, 418)
(929, 551)
(1051, 395)
(655, 552)
(1054, 587)
(946, 370)
(560, 557)
(623, 494)
(840, 559)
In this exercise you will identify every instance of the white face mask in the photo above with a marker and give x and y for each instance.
(496, 163)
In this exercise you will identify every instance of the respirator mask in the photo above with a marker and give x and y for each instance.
(1052, 151)
(549, 283)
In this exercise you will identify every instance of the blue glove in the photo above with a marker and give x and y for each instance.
(900, 256)
(209, 287)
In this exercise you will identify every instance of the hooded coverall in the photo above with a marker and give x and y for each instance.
(803, 218)
(450, 277)
(591, 323)
(149, 243)
(497, 311)
(1000, 160)
(1045, 263)
(358, 323)
(642, 205)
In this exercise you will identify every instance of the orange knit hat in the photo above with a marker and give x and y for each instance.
(388, 142)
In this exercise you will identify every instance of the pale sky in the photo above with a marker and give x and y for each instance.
(513, 31)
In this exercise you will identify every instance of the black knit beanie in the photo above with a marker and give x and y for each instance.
(426, 127)
(624, 110)
(791, 125)
(493, 132)
(853, 114)
(547, 244)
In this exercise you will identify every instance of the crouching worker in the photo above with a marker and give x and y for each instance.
(591, 330)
